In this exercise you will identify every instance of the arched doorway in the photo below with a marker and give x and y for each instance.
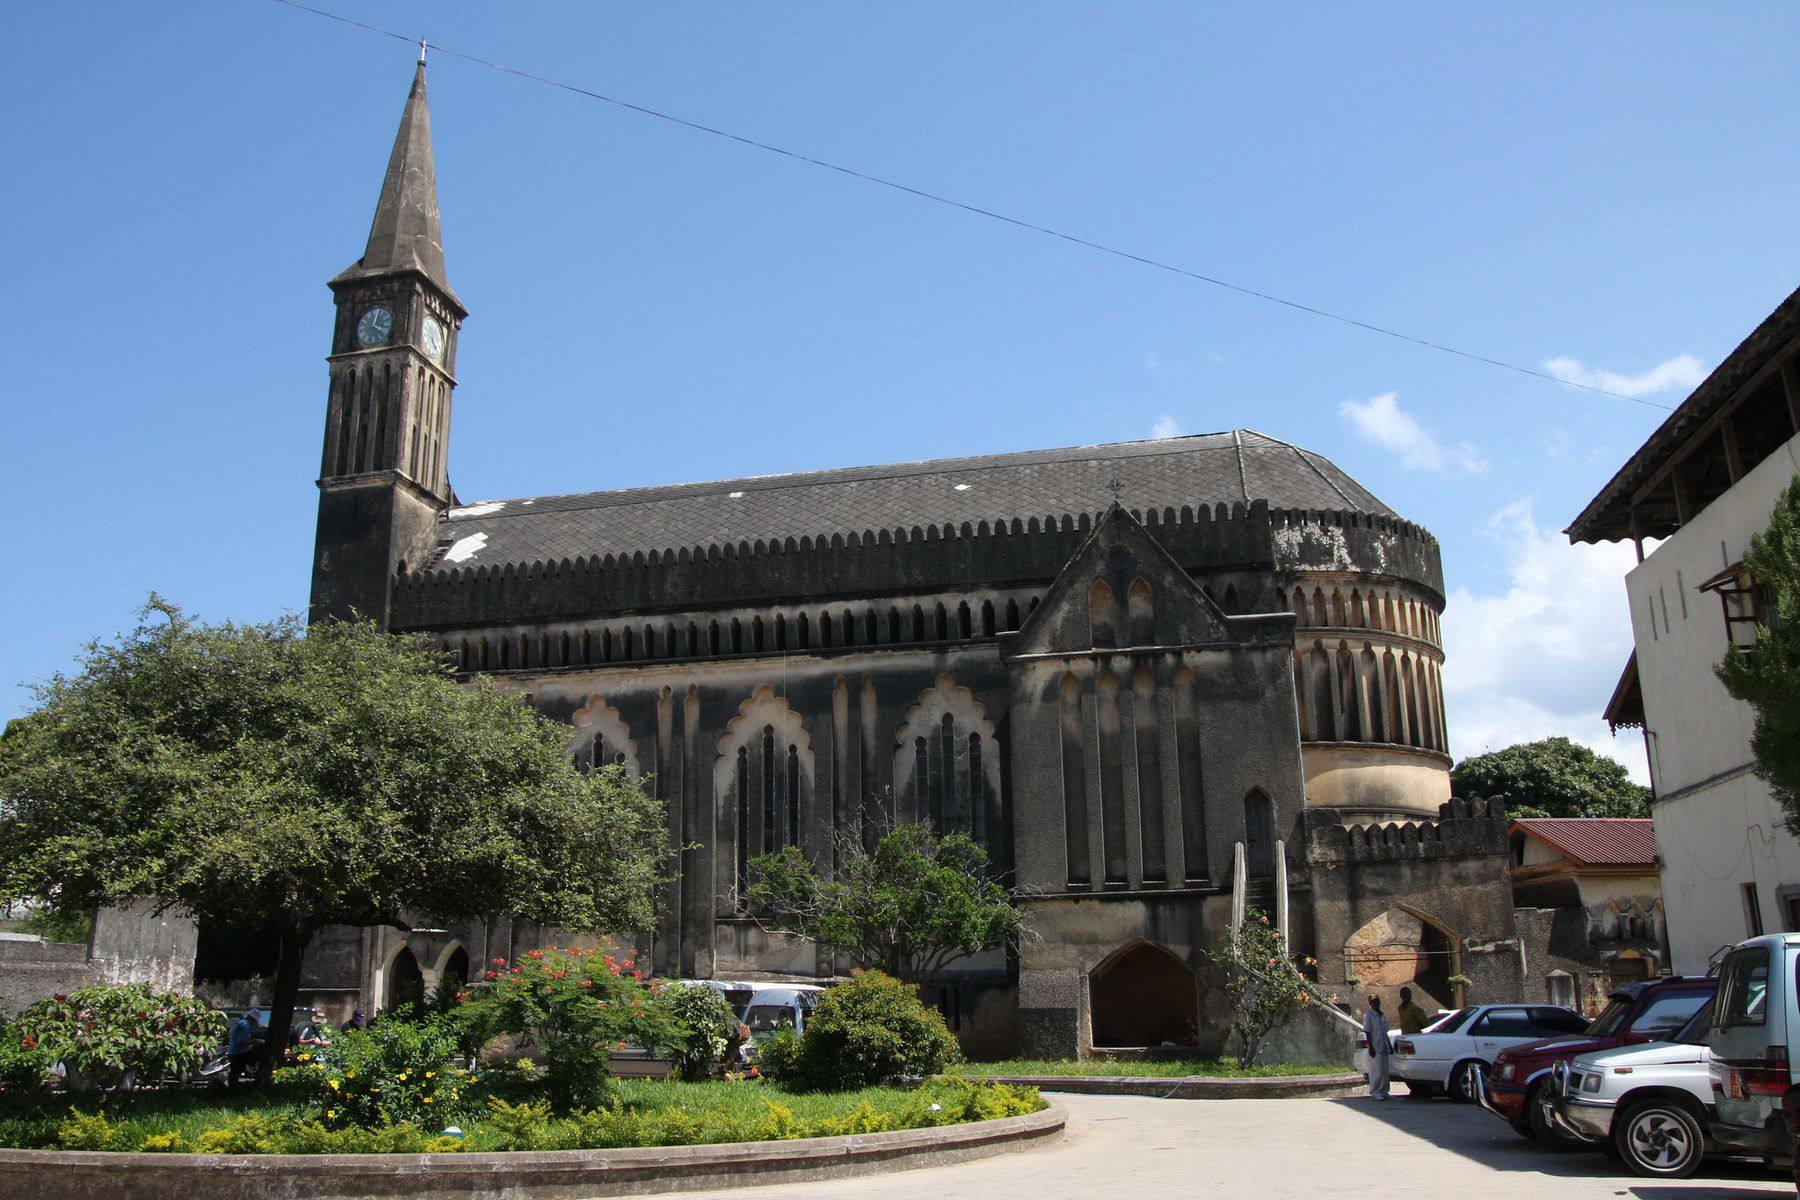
(1402, 947)
(1143, 996)
(453, 970)
(1259, 835)
(405, 982)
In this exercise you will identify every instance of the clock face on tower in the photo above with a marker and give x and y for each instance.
(373, 327)
(433, 338)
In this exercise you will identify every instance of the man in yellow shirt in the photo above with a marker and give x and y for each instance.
(1412, 1017)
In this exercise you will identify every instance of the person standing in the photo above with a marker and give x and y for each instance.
(1375, 1032)
(1412, 1017)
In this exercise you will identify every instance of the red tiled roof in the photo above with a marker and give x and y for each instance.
(1596, 841)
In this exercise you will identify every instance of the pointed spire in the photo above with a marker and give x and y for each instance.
(406, 235)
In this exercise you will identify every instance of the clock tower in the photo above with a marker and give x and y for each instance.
(384, 481)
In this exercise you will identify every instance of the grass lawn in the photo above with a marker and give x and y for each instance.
(642, 1112)
(1217, 1068)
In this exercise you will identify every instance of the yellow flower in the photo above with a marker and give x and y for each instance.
(431, 1074)
(349, 1074)
(333, 1083)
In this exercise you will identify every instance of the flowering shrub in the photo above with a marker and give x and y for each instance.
(706, 1024)
(393, 1072)
(117, 1032)
(1262, 981)
(865, 1031)
(252, 1133)
(22, 1065)
(576, 1007)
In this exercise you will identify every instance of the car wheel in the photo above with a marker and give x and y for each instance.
(1659, 1138)
(1461, 1086)
(1544, 1129)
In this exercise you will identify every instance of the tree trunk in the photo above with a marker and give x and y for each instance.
(291, 952)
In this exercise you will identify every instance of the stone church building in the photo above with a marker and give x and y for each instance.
(1133, 672)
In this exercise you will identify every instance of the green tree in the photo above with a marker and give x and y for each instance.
(305, 777)
(1552, 778)
(910, 906)
(1766, 676)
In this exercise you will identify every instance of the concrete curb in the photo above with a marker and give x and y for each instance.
(542, 1175)
(1191, 1087)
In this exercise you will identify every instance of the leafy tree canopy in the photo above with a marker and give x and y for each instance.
(1552, 778)
(309, 777)
(1767, 675)
(910, 906)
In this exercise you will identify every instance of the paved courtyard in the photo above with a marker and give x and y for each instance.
(1142, 1149)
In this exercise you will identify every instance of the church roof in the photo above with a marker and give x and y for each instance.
(406, 234)
(1199, 470)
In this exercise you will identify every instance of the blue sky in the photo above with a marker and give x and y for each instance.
(1603, 187)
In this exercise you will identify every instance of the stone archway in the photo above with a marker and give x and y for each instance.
(1142, 995)
(452, 968)
(1402, 947)
(403, 982)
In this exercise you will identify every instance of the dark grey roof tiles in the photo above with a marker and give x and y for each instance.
(1204, 469)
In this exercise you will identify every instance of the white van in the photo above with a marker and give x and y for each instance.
(1755, 1020)
(780, 1006)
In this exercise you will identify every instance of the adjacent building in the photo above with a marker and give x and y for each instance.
(1703, 485)
(1589, 904)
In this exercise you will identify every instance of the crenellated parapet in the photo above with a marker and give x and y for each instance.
(896, 561)
(1463, 829)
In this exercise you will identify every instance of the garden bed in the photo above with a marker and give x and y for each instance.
(553, 1175)
(639, 1113)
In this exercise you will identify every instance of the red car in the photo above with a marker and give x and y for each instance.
(1516, 1086)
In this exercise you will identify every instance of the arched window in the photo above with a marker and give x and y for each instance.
(1012, 615)
(1139, 616)
(824, 629)
(987, 618)
(1101, 623)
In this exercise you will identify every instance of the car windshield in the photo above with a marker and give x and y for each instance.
(1695, 1032)
(1448, 1021)
(1610, 1019)
(766, 1018)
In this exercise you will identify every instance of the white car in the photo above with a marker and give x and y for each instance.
(1652, 1103)
(1359, 1059)
(1452, 1052)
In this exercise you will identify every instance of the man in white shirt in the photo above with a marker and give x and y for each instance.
(1375, 1031)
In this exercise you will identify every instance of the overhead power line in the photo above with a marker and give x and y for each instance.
(976, 210)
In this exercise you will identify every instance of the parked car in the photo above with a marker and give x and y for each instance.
(1755, 1020)
(1359, 1058)
(1516, 1087)
(1452, 1054)
(779, 1006)
(1651, 1104)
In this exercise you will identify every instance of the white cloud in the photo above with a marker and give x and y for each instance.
(1381, 420)
(1682, 373)
(1152, 363)
(1541, 657)
(1167, 426)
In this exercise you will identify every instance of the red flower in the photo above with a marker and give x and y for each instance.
(535, 954)
(62, 995)
(490, 975)
(587, 983)
(498, 962)
(28, 1043)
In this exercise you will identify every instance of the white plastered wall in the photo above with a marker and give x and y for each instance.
(1717, 826)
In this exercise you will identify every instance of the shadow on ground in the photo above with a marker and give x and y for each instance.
(1482, 1137)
